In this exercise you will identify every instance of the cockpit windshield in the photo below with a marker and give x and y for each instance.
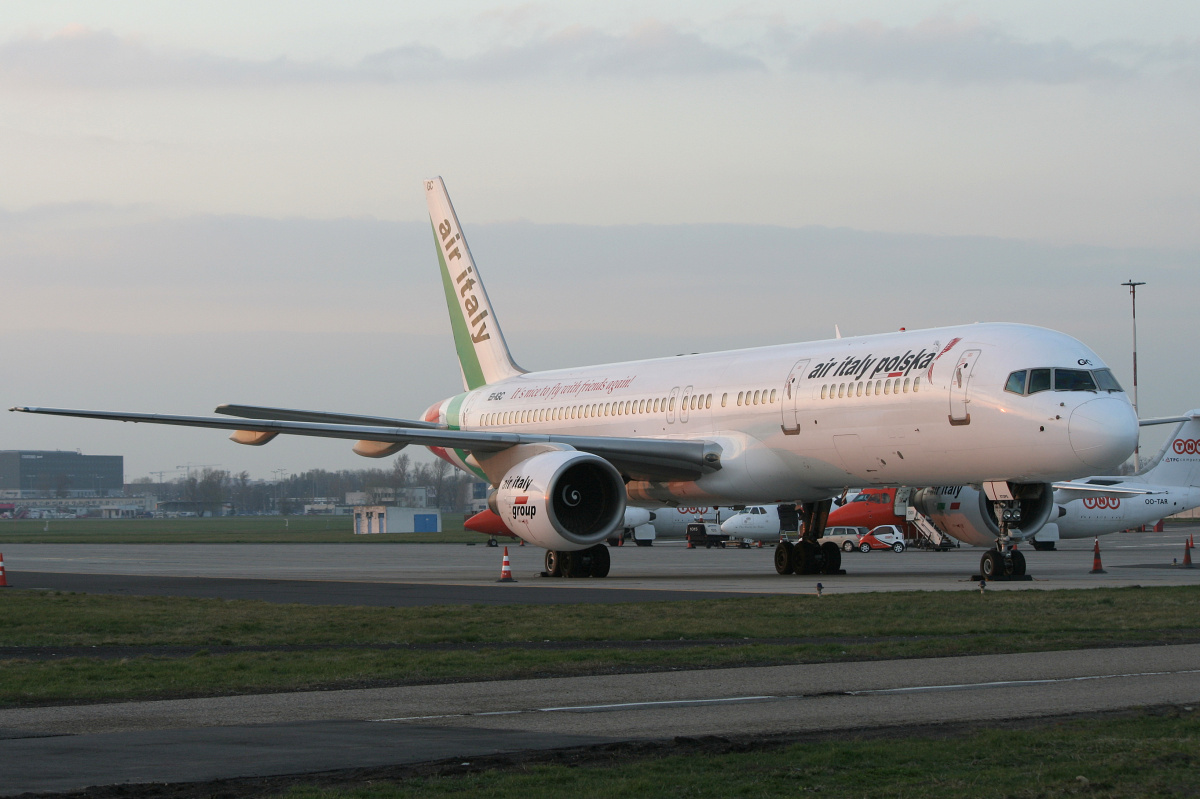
(1032, 381)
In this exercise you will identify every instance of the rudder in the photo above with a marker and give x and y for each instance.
(1178, 463)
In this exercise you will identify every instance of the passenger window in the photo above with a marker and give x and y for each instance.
(916, 385)
(841, 390)
(739, 398)
(824, 392)
(693, 403)
(724, 398)
(858, 392)
(1039, 380)
(671, 407)
(906, 385)
(1073, 380)
(755, 397)
(1016, 382)
(887, 387)
(772, 395)
(1105, 380)
(707, 401)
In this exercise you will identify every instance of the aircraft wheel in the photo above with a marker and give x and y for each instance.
(897, 547)
(643, 543)
(864, 547)
(600, 562)
(614, 542)
(991, 565)
(847, 546)
(553, 563)
(492, 542)
(783, 558)
(833, 558)
(1018, 562)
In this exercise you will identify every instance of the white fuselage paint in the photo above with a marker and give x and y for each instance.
(958, 427)
(1102, 515)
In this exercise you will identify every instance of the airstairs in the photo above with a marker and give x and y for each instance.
(928, 534)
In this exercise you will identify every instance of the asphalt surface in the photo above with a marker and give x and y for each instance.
(69, 748)
(184, 741)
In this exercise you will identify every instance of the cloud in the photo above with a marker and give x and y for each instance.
(649, 50)
(948, 50)
(86, 58)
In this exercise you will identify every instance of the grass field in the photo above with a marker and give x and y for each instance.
(1147, 754)
(222, 530)
(157, 647)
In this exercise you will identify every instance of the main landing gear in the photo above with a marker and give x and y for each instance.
(809, 555)
(1004, 562)
(592, 562)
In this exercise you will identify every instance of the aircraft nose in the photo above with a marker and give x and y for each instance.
(1103, 431)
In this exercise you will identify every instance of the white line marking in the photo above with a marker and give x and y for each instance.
(768, 697)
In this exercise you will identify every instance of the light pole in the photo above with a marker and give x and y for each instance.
(279, 473)
(1133, 297)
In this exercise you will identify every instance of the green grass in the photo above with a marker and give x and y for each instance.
(221, 530)
(1141, 755)
(350, 646)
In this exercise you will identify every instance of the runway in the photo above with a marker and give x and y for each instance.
(66, 748)
(430, 574)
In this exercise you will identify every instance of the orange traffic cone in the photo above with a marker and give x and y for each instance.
(1096, 567)
(690, 544)
(1187, 557)
(1192, 541)
(3, 579)
(506, 570)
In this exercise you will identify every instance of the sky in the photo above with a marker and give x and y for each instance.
(222, 202)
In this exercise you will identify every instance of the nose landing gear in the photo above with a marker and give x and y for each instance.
(1004, 562)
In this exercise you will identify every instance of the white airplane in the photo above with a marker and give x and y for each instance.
(1005, 404)
(1084, 508)
(754, 523)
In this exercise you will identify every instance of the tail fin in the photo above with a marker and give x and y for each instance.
(1178, 463)
(482, 352)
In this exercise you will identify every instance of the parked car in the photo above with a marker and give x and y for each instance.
(844, 537)
(885, 536)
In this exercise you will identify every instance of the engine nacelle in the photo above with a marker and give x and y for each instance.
(967, 514)
(636, 517)
(566, 500)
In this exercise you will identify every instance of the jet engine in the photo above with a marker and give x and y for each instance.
(565, 500)
(967, 514)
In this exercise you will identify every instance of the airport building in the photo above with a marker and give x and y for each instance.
(36, 474)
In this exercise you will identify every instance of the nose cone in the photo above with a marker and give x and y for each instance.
(1103, 431)
(730, 525)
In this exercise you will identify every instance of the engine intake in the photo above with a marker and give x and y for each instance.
(565, 500)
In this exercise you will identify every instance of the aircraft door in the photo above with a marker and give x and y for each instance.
(960, 382)
(671, 405)
(683, 407)
(791, 398)
(902, 501)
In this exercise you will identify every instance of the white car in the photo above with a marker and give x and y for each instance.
(885, 536)
(844, 537)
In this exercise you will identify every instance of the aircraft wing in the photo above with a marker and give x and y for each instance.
(1071, 491)
(291, 415)
(638, 458)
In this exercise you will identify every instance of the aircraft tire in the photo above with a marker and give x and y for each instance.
(991, 565)
(600, 562)
(833, 558)
(553, 563)
(783, 558)
(492, 542)
(1018, 562)
(643, 543)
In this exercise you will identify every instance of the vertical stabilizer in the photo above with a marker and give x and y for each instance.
(482, 352)
(1178, 464)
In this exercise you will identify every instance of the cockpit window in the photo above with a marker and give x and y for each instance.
(1073, 380)
(1016, 382)
(1105, 380)
(1039, 380)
